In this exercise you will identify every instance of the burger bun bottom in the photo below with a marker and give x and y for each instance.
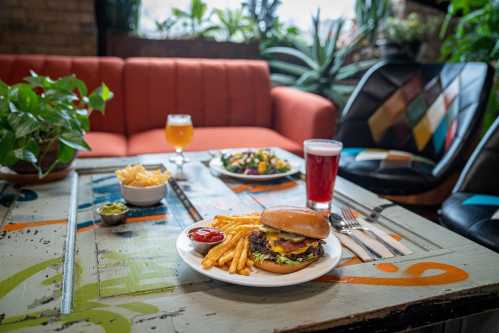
(270, 266)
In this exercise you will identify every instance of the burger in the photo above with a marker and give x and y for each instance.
(288, 240)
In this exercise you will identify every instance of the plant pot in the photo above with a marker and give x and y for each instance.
(26, 168)
(405, 51)
(125, 46)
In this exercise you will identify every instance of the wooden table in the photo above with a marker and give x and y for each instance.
(129, 277)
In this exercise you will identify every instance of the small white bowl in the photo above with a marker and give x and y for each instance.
(203, 247)
(143, 196)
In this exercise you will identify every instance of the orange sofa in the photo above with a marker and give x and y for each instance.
(231, 102)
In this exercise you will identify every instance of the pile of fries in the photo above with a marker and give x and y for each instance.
(232, 254)
(137, 175)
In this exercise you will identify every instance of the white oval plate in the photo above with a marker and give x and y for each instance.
(260, 278)
(217, 165)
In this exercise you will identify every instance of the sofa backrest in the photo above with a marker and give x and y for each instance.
(214, 92)
(92, 70)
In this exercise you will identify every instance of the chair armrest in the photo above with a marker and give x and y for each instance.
(299, 115)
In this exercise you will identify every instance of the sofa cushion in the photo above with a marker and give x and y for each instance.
(105, 145)
(473, 216)
(205, 138)
(387, 171)
(91, 70)
(214, 92)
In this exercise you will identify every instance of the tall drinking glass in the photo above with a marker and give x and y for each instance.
(321, 162)
(179, 131)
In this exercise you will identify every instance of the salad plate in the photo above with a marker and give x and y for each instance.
(251, 164)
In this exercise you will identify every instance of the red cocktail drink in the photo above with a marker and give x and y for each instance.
(322, 158)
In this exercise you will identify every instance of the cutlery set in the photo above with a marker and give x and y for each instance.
(364, 238)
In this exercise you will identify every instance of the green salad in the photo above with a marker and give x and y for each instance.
(259, 162)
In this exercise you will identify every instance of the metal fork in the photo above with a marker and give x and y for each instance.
(353, 223)
(340, 225)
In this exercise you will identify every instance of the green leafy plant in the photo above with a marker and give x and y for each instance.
(164, 27)
(234, 25)
(319, 68)
(270, 30)
(475, 38)
(264, 15)
(42, 115)
(197, 19)
(410, 29)
(370, 14)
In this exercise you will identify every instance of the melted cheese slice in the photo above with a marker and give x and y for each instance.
(272, 237)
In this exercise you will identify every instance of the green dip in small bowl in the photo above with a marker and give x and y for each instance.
(113, 213)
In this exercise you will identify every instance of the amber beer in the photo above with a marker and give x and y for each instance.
(179, 130)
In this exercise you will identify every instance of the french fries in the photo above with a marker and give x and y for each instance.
(232, 254)
(137, 175)
(237, 255)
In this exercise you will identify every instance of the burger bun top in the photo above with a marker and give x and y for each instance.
(301, 221)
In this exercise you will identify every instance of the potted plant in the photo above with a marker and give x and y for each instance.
(43, 122)
(474, 37)
(401, 38)
(321, 67)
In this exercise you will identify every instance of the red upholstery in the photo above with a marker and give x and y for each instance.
(300, 116)
(92, 70)
(231, 102)
(205, 138)
(213, 92)
(105, 144)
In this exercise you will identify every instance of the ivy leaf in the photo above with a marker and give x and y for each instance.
(4, 98)
(25, 99)
(74, 140)
(4, 88)
(8, 139)
(25, 155)
(65, 154)
(70, 83)
(36, 81)
(82, 116)
(99, 97)
(22, 123)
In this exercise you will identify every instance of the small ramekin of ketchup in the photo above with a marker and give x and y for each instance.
(203, 238)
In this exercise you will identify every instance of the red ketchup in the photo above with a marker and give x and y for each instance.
(206, 235)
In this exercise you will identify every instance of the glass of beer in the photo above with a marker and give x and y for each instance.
(321, 162)
(179, 133)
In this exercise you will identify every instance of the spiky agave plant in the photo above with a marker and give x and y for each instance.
(319, 68)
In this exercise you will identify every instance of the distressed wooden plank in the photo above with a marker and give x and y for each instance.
(31, 250)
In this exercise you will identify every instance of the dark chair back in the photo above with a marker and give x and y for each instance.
(480, 175)
(431, 110)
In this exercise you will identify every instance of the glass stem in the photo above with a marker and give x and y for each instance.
(180, 155)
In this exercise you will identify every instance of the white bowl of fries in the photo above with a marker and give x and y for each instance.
(142, 187)
(143, 196)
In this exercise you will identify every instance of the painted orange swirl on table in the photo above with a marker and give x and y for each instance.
(412, 276)
(254, 188)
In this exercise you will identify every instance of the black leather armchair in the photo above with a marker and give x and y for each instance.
(471, 209)
(409, 127)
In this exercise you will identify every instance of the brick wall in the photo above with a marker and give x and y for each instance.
(48, 27)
